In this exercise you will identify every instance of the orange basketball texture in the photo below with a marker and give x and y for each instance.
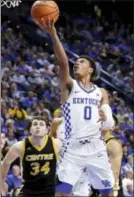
(45, 9)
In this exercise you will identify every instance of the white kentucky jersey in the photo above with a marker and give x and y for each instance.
(81, 112)
(61, 130)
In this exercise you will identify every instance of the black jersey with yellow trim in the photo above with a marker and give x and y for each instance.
(39, 166)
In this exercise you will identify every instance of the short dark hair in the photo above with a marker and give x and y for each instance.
(92, 63)
(36, 118)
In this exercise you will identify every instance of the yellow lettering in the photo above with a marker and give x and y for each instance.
(46, 168)
(36, 168)
(39, 157)
(28, 158)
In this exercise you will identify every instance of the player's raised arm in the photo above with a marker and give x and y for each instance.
(109, 121)
(59, 51)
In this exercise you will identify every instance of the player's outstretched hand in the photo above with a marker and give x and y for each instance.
(102, 116)
(47, 25)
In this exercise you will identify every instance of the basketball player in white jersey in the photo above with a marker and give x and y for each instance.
(81, 102)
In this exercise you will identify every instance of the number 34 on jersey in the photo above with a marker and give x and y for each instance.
(36, 168)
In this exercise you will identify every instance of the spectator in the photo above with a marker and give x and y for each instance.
(127, 184)
(14, 180)
(10, 137)
(17, 112)
(31, 98)
(129, 166)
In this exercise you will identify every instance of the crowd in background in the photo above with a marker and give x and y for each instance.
(30, 84)
(109, 43)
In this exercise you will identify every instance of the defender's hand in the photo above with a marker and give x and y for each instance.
(102, 116)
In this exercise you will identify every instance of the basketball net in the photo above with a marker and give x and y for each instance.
(10, 3)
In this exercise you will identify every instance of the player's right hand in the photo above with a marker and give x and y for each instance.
(47, 25)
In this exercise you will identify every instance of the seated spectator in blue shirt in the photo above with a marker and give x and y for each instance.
(29, 100)
(14, 180)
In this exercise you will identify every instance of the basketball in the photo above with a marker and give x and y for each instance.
(45, 9)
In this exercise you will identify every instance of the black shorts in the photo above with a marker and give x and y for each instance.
(23, 194)
(96, 193)
(31, 193)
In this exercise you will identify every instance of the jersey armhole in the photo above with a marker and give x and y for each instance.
(23, 150)
(54, 147)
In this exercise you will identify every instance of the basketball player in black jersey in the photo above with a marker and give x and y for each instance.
(38, 154)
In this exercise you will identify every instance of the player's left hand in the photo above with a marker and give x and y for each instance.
(102, 116)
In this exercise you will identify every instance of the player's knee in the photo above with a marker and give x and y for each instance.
(63, 188)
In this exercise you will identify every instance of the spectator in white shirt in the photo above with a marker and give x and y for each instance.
(18, 78)
(129, 165)
(127, 184)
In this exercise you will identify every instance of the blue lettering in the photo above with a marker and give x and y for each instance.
(74, 100)
(82, 100)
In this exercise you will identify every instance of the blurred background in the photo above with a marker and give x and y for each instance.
(29, 70)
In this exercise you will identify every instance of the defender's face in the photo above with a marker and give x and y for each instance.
(38, 128)
(82, 68)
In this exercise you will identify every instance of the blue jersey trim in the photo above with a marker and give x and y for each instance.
(86, 90)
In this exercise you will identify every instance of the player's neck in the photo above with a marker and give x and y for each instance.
(85, 83)
(38, 141)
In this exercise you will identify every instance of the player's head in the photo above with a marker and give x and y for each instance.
(84, 66)
(2, 140)
(38, 126)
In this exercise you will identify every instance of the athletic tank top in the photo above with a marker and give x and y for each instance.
(39, 166)
(81, 112)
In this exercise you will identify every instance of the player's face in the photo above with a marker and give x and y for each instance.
(38, 128)
(2, 140)
(82, 68)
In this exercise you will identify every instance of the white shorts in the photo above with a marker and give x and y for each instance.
(83, 186)
(91, 155)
